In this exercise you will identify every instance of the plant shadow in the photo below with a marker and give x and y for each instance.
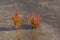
(24, 27)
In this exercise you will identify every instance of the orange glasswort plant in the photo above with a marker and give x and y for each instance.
(32, 19)
(16, 20)
(35, 21)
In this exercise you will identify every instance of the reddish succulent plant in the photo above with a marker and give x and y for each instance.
(35, 21)
(16, 20)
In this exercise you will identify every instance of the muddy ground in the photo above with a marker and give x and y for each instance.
(49, 11)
